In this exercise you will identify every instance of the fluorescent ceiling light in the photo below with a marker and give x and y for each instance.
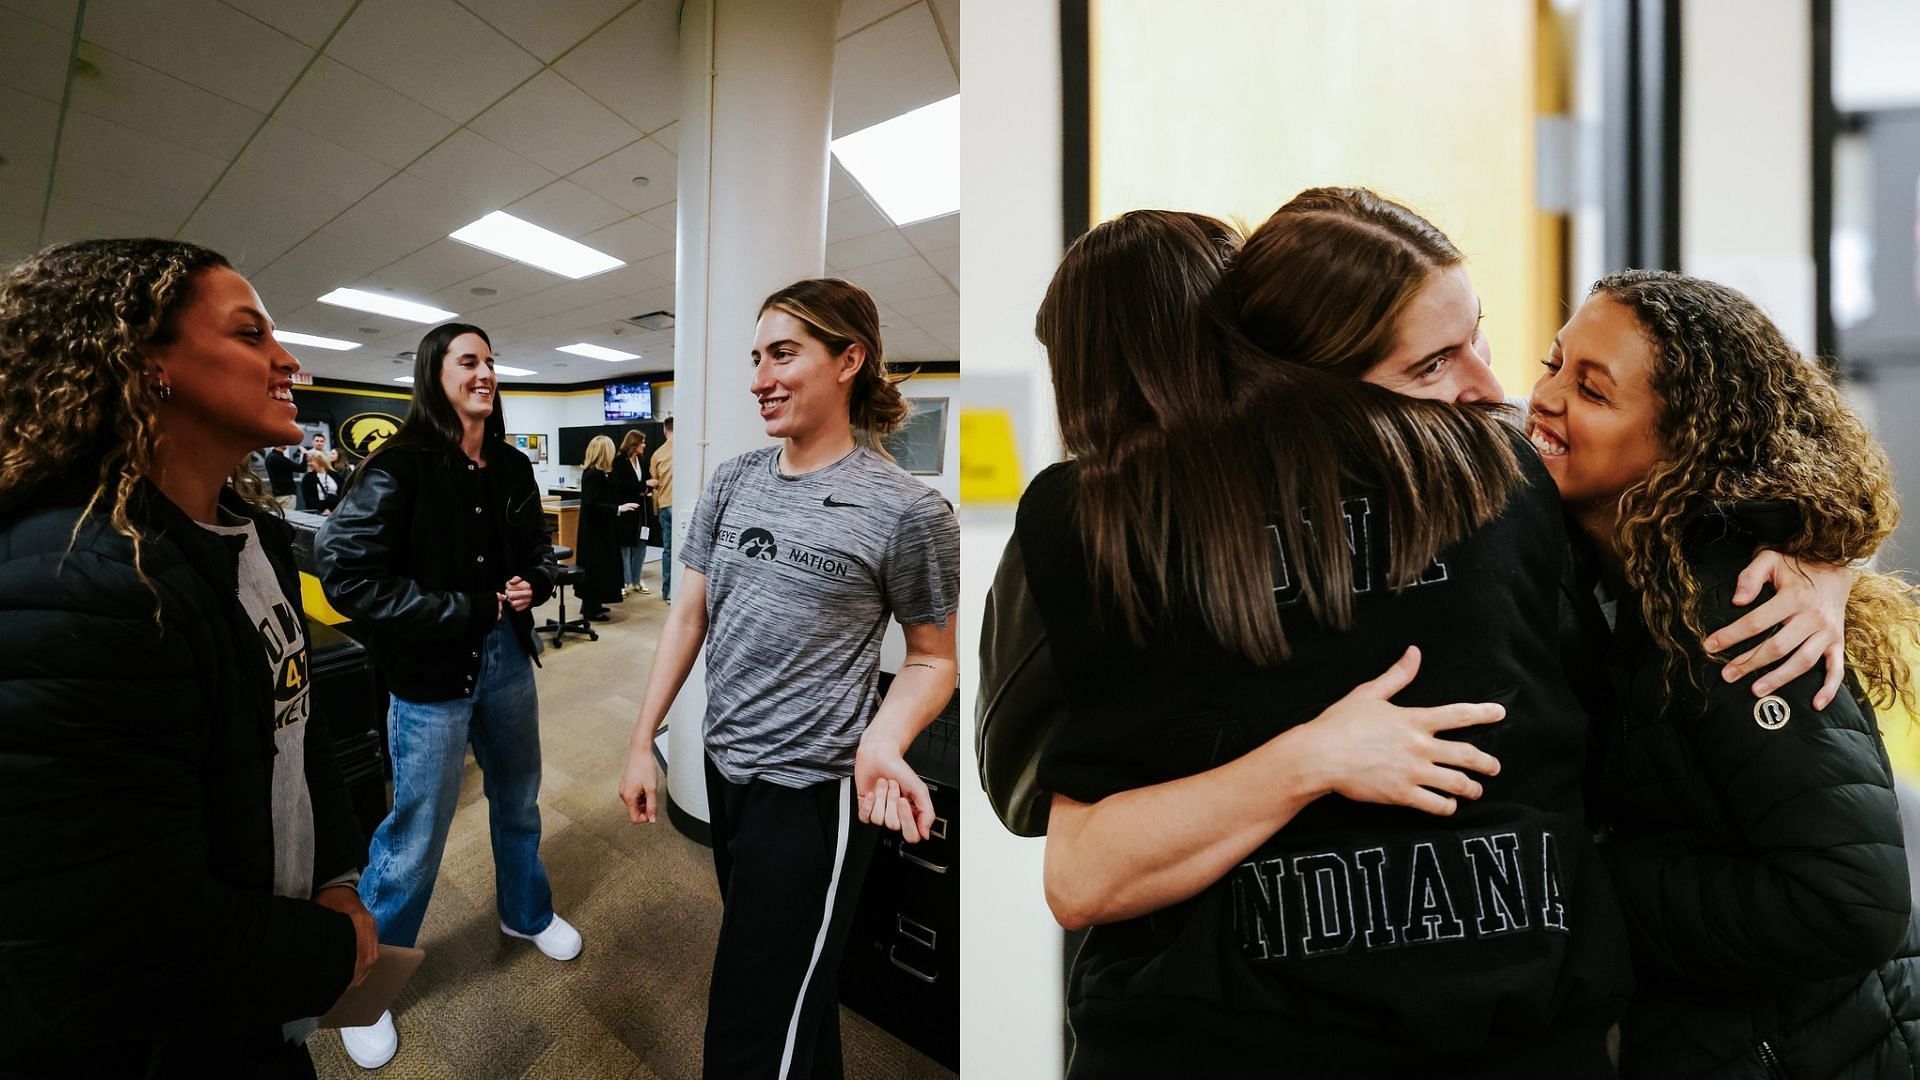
(523, 241)
(288, 337)
(598, 352)
(502, 369)
(909, 165)
(380, 304)
(404, 379)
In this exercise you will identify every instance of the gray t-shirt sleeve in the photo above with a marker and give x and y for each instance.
(922, 572)
(695, 549)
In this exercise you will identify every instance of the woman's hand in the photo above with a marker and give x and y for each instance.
(639, 786)
(1809, 606)
(345, 899)
(1368, 749)
(519, 594)
(628, 508)
(892, 795)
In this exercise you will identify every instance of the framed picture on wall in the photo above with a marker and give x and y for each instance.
(920, 446)
(534, 446)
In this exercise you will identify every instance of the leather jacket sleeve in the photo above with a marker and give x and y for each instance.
(527, 522)
(357, 552)
(1020, 707)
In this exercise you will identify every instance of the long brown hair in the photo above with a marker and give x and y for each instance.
(78, 394)
(1189, 440)
(1745, 416)
(840, 313)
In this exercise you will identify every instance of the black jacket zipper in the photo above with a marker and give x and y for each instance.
(1772, 1061)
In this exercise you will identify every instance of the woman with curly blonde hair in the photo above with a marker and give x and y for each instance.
(1755, 845)
(178, 891)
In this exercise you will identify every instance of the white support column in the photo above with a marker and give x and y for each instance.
(756, 117)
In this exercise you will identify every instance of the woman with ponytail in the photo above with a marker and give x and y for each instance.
(794, 561)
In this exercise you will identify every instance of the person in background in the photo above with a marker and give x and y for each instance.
(661, 484)
(282, 475)
(177, 890)
(630, 488)
(440, 548)
(342, 466)
(319, 490)
(596, 542)
(797, 557)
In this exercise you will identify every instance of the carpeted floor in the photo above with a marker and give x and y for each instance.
(633, 1004)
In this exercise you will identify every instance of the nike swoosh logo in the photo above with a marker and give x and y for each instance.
(828, 501)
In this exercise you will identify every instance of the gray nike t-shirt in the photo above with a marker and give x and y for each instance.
(802, 574)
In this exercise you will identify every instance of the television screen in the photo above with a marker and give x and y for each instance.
(629, 401)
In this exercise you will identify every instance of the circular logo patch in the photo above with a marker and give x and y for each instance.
(364, 433)
(1771, 713)
(758, 544)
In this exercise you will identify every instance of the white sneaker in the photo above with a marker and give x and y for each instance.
(559, 940)
(373, 1046)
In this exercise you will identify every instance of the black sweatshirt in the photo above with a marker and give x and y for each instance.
(1360, 940)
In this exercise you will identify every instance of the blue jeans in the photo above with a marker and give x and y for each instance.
(666, 552)
(428, 742)
(632, 559)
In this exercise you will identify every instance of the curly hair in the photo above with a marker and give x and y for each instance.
(1745, 417)
(77, 391)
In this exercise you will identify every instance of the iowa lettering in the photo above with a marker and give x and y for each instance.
(1369, 565)
(1328, 902)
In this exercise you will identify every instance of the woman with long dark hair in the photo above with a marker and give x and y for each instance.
(178, 886)
(630, 488)
(793, 563)
(1756, 845)
(439, 547)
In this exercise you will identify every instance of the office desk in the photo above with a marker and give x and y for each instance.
(563, 521)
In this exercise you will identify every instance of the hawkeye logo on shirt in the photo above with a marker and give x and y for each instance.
(758, 543)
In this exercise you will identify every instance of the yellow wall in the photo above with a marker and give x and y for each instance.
(1229, 107)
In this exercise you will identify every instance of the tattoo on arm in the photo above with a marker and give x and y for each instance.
(917, 663)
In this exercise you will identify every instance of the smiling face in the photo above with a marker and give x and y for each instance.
(802, 387)
(1439, 352)
(232, 383)
(1593, 412)
(466, 377)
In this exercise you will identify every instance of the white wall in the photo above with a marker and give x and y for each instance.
(1746, 135)
(1874, 42)
(546, 414)
(1011, 992)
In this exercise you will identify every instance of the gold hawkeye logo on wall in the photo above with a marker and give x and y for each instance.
(364, 433)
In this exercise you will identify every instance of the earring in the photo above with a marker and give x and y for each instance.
(163, 391)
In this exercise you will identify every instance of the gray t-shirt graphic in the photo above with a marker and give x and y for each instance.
(802, 574)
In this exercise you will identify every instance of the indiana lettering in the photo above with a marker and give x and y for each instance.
(1322, 903)
(1369, 561)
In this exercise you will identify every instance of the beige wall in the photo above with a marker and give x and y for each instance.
(1231, 106)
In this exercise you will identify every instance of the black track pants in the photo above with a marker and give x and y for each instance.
(791, 862)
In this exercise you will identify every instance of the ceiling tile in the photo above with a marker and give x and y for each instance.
(343, 106)
(550, 27)
(840, 183)
(70, 218)
(33, 56)
(669, 137)
(947, 261)
(136, 96)
(633, 66)
(320, 178)
(665, 218)
(551, 122)
(857, 15)
(853, 217)
(509, 281)
(489, 175)
(29, 127)
(568, 209)
(59, 14)
(306, 21)
(934, 234)
(861, 251)
(920, 310)
(892, 67)
(611, 177)
(249, 227)
(387, 39)
(633, 240)
(202, 42)
(947, 14)
(440, 265)
(157, 198)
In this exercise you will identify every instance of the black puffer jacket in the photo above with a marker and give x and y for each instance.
(1757, 850)
(406, 552)
(138, 930)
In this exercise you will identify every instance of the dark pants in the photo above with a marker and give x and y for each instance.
(791, 862)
